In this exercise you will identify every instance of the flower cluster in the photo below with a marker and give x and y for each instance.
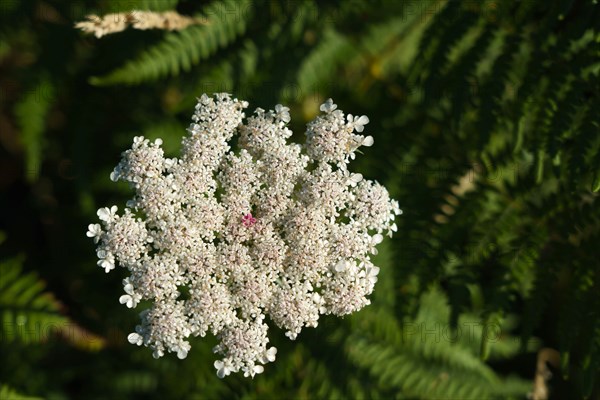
(218, 239)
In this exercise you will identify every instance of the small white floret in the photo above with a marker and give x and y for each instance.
(94, 231)
(368, 141)
(135, 338)
(328, 106)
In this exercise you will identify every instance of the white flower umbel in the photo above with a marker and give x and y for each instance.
(218, 240)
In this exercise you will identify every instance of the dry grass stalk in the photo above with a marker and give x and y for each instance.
(112, 23)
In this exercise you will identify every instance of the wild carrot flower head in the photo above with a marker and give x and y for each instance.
(217, 240)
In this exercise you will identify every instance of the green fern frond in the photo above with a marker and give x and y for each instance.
(391, 45)
(420, 377)
(438, 25)
(180, 51)
(31, 112)
(426, 358)
(321, 64)
(446, 47)
(583, 159)
(460, 75)
(30, 315)
(492, 89)
(326, 387)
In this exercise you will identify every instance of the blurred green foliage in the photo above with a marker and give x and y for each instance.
(486, 125)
